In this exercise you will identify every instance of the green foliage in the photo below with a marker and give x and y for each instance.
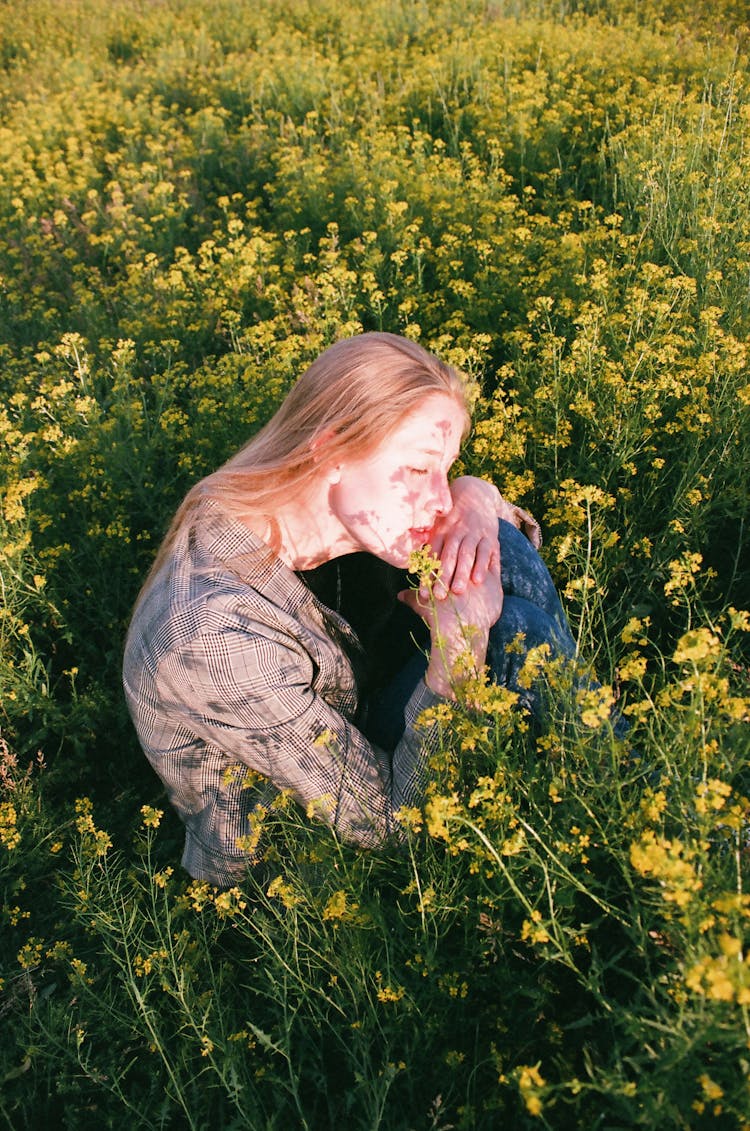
(195, 200)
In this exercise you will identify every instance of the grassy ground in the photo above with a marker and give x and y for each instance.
(194, 200)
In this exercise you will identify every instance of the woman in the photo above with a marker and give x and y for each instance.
(277, 633)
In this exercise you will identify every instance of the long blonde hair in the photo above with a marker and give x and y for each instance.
(346, 403)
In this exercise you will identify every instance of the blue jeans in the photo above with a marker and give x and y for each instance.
(531, 607)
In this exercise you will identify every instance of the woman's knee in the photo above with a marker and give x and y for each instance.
(524, 575)
(523, 625)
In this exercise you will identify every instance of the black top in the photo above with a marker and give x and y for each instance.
(363, 589)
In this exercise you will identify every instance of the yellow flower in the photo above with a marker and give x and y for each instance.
(730, 946)
(9, 834)
(532, 931)
(633, 667)
(669, 863)
(338, 907)
(229, 902)
(100, 842)
(13, 502)
(30, 954)
(59, 951)
(536, 658)
(530, 1082)
(739, 620)
(410, 818)
(151, 817)
(653, 804)
(279, 888)
(682, 570)
(198, 894)
(250, 842)
(711, 1090)
(696, 646)
(426, 566)
(78, 968)
(718, 978)
(161, 878)
(712, 795)
(513, 844)
(595, 706)
(440, 811)
(386, 993)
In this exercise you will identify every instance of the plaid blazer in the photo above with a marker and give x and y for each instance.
(232, 664)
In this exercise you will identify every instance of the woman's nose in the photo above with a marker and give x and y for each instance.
(444, 499)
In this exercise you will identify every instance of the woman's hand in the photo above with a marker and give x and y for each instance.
(459, 625)
(465, 539)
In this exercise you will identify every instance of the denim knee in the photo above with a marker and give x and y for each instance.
(524, 575)
(521, 627)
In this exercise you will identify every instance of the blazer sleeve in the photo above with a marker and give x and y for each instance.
(249, 690)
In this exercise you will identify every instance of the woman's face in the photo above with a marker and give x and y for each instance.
(388, 501)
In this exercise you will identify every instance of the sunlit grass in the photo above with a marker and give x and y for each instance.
(196, 199)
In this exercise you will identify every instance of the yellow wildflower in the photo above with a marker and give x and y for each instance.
(151, 816)
(440, 812)
(387, 993)
(711, 1090)
(530, 1083)
(9, 834)
(696, 646)
(30, 954)
(532, 931)
(669, 863)
(229, 902)
(595, 706)
(338, 907)
(279, 888)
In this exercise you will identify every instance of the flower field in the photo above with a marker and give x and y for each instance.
(195, 199)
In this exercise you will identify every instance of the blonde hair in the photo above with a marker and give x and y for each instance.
(345, 404)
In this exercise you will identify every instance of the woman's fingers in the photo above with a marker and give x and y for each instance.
(465, 559)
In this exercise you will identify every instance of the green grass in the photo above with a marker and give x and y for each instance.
(195, 199)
